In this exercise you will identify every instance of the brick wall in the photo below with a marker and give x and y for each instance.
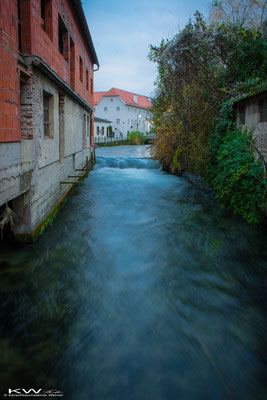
(9, 77)
(39, 37)
(45, 42)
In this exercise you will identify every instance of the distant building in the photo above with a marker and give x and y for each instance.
(128, 111)
(47, 61)
(252, 114)
(102, 128)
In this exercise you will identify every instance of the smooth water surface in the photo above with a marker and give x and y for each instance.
(144, 288)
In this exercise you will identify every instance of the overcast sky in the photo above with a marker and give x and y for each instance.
(122, 31)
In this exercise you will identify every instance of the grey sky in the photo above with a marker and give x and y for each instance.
(122, 32)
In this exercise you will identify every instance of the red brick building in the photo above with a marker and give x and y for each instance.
(47, 63)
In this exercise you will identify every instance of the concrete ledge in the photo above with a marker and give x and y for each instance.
(48, 220)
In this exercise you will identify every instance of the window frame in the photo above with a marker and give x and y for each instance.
(81, 68)
(46, 113)
(242, 114)
(63, 35)
(262, 109)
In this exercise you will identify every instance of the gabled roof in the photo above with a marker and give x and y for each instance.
(77, 4)
(97, 119)
(249, 96)
(131, 99)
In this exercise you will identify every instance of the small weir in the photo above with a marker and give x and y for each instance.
(144, 288)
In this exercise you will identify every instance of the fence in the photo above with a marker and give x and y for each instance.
(103, 139)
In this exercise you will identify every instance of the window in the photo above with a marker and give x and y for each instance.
(242, 115)
(87, 79)
(46, 17)
(111, 99)
(118, 108)
(97, 130)
(19, 25)
(117, 121)
(103, 131)
(88, 125)
(63, 42)
(263, 109)
(43, 13)
(81, 69)
(105, 109)
(47, 104)
(72, 63)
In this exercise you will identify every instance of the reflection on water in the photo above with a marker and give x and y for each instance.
(143, 288)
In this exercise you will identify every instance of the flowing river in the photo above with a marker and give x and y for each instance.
(144, 288)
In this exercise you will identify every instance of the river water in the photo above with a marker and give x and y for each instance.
(144, 288)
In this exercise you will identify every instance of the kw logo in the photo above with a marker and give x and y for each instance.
(18, 391)
(33, 392)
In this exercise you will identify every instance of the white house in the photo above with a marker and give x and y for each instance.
(128, 111)
(102, 128)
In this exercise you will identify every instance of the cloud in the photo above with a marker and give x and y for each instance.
(122, 33)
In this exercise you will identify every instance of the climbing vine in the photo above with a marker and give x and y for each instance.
(237, 177)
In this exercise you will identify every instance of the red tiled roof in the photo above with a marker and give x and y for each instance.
(127, 98)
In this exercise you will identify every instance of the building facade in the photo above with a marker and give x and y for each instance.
(47, 61)
(252, 115)
(128, 111)
(102, 128)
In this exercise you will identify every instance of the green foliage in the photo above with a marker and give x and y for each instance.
(199, 69)
(110, 131)
(136, 138)
(233, 171)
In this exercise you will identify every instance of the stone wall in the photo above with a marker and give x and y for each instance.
(252, 122)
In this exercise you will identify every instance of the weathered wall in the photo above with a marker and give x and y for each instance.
(51, 170)
(17, 161)
(9, 76)
(33, 165)
(44, 43)
(252, 123)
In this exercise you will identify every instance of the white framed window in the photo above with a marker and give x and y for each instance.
(48, 114)
(118, 121)
(105, 109)
(118, 108)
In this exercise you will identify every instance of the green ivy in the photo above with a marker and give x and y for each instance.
(237, 177)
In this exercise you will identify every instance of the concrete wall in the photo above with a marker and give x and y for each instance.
(32, 164)
(252, 123)
(17, 161)
(31, 171)
(107, 108)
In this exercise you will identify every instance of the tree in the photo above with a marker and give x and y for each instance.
(249, 13)
(198, 69)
